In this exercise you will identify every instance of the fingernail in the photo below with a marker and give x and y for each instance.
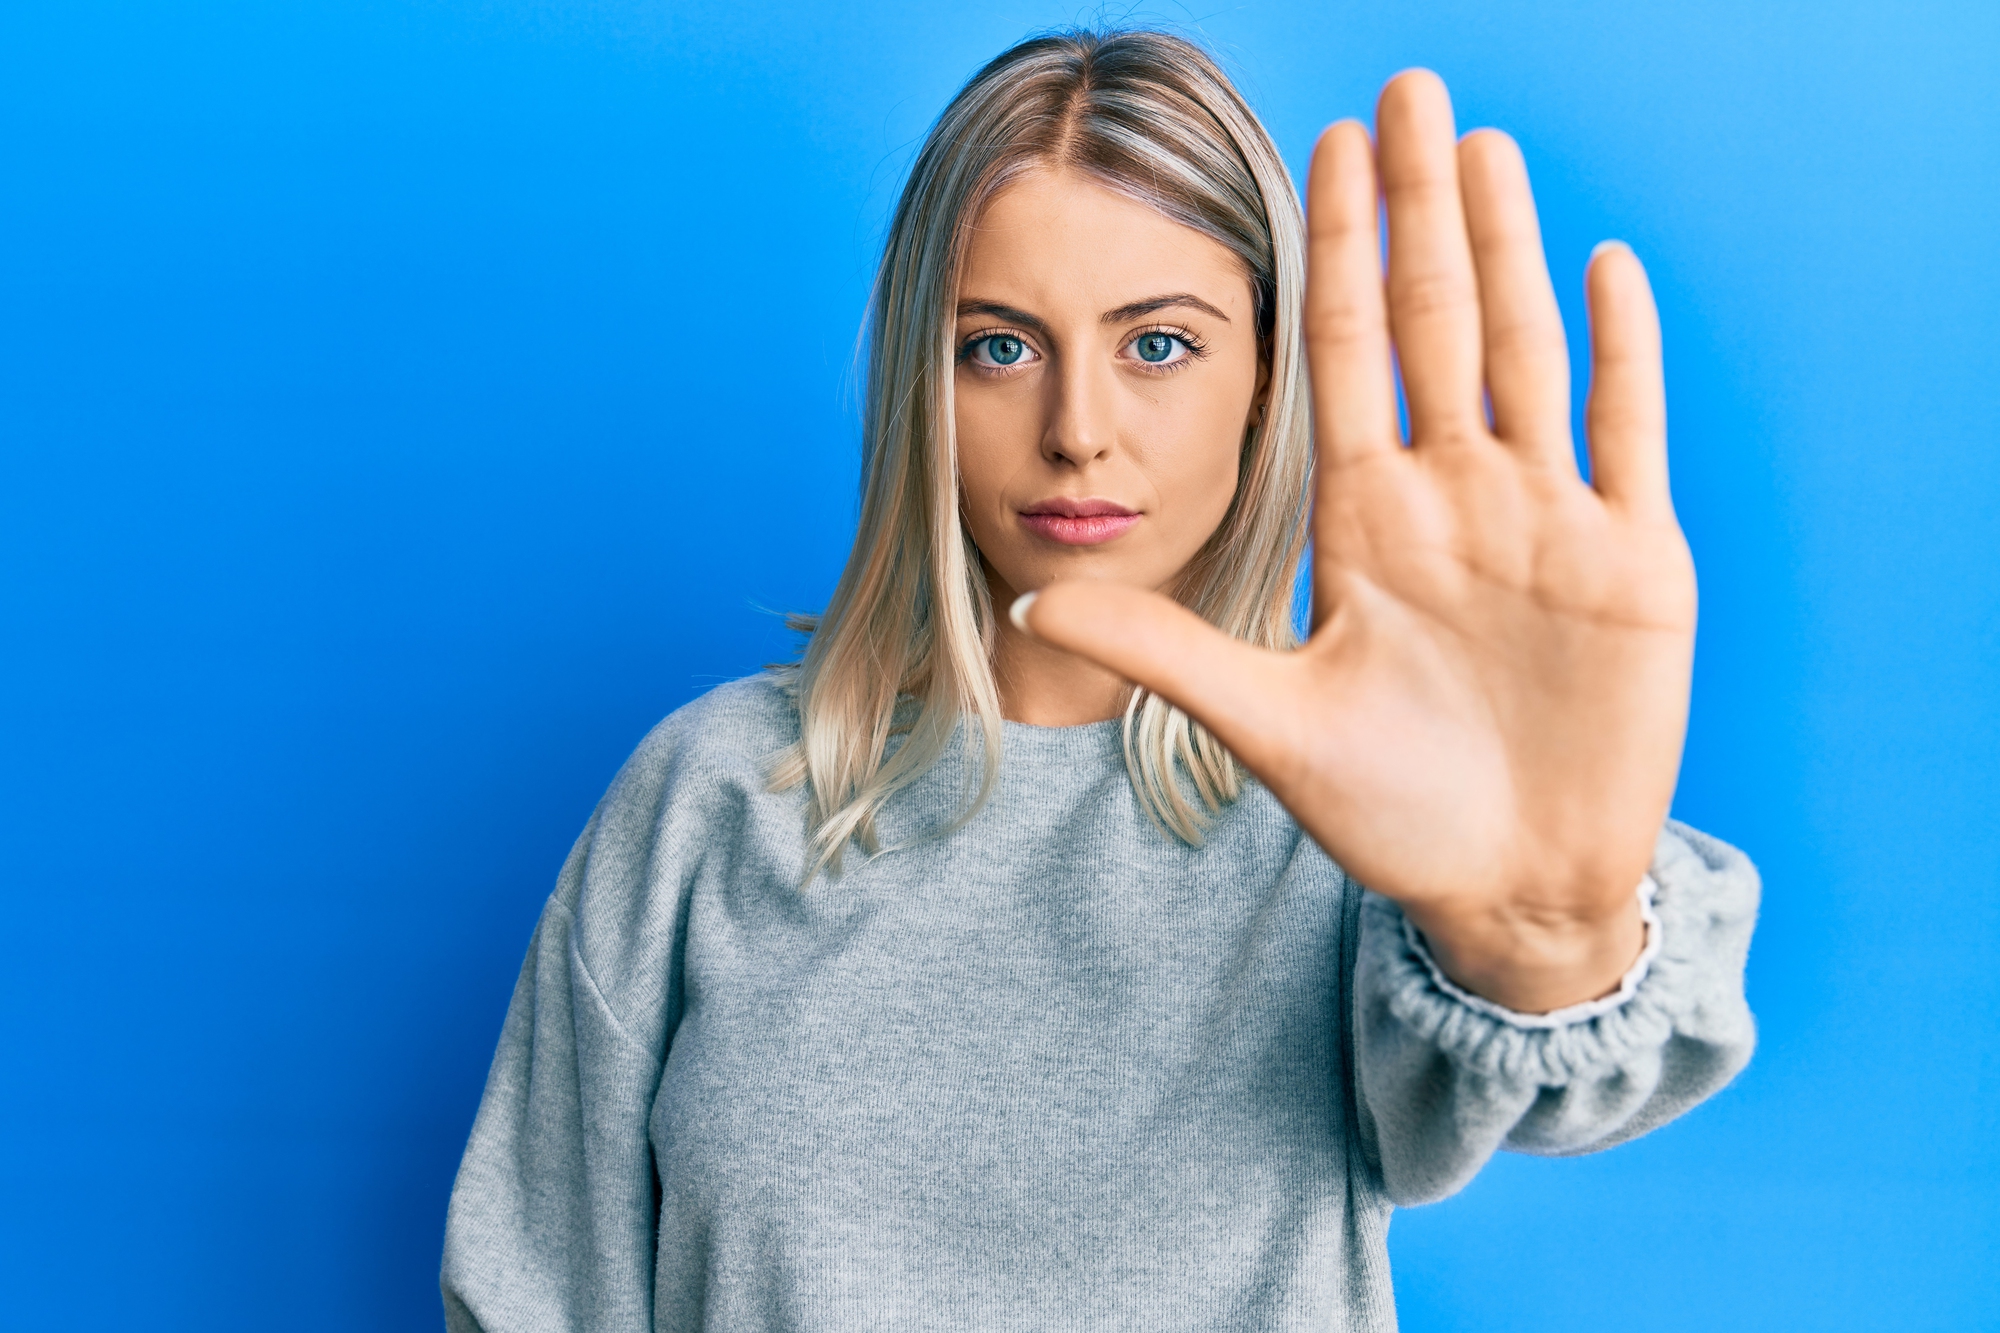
(1018, 612)
(1602, 246)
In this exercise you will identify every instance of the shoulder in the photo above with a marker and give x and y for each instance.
(693, 799)
(737, 724)
(728, 736)
(696, 772)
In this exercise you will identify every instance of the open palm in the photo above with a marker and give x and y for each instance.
(1486, 722)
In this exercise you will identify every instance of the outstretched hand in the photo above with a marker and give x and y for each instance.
(1486, 722)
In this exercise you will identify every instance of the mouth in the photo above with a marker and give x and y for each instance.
(1078, 522)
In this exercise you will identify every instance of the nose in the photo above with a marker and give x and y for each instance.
(1082, 422)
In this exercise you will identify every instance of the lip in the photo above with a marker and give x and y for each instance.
(1088, 522)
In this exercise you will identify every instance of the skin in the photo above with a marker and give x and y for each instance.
(1075, 273)
(1486, 723)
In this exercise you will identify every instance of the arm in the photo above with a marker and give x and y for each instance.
(1447, 1084)
(552, 1217)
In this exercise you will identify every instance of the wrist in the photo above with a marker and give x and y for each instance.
(1535, 963)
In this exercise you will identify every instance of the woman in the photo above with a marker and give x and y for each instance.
(1014, 971)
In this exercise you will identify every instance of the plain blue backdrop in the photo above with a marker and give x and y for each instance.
(404, 405)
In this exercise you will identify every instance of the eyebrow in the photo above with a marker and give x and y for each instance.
(1130, 310)
(1140, 309)
(998, 311)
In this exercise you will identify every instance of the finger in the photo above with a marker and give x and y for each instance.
(1346, 318)
(1433, 295)
(1627, 414)
(1527, 359)
(1153, 641)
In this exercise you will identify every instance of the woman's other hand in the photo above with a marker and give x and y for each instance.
(1486, 723)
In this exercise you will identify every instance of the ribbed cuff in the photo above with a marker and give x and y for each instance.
(1706, 905)
(1555, 1018)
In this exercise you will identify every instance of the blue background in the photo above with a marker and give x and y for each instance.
(402, 406)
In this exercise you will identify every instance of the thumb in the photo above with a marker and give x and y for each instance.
(1228, 686)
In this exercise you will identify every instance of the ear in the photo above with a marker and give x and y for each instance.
(1260, 398)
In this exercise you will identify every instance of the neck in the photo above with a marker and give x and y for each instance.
(1044, 686)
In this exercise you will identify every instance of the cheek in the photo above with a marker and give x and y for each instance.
(988, 455)
(1196, 469)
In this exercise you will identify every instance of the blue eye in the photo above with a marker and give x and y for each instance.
(1002, 350)
(1155, 347)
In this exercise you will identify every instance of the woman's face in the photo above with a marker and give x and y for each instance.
(1107, 370)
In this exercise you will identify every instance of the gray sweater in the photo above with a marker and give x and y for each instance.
(1050, 1071)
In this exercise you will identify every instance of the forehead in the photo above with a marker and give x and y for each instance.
(1061, 239)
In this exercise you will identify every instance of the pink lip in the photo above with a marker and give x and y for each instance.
(1078, 522)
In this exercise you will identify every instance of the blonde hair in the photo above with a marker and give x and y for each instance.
(911, 623)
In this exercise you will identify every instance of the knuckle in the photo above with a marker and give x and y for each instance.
(1339, 324)
(1336, 222)
(1420, 183)
(1525, 338)
(1422, 295)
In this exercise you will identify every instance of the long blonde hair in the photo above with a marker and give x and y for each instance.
(905, 646)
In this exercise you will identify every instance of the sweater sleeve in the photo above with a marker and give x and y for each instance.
(1444, 1084)
(552, 1217)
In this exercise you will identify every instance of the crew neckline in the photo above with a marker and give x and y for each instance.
(1101, 740)
(1101, 723)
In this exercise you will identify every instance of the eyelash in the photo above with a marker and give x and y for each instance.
(966, 347)
(1196, 349)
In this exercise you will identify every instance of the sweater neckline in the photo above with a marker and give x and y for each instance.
(1084, 742)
